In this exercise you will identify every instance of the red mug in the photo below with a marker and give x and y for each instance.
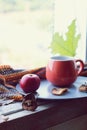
(63, 70)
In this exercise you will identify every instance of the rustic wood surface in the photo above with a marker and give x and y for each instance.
(48, 113)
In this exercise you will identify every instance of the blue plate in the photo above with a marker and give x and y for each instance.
(45, 90)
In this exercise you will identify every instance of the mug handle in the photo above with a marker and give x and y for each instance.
(81, 66)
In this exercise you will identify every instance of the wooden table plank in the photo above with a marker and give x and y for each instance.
(48, 114)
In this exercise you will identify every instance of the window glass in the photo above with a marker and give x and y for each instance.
(65, 12)
(26, 28)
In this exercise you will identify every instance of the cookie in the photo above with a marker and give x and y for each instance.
(59, 91)
(29, 102)
(83, 88)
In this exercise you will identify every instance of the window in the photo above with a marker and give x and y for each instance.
(25, 31)
(27, 26)
(65, 12)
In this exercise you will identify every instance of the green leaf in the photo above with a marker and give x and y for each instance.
(69, 45)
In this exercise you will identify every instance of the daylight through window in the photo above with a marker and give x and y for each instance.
(27, 26)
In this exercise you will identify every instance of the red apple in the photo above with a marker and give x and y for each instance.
(29, 83)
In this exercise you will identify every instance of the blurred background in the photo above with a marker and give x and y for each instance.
(27, 26)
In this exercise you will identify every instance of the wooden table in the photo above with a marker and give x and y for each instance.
(66, 114)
